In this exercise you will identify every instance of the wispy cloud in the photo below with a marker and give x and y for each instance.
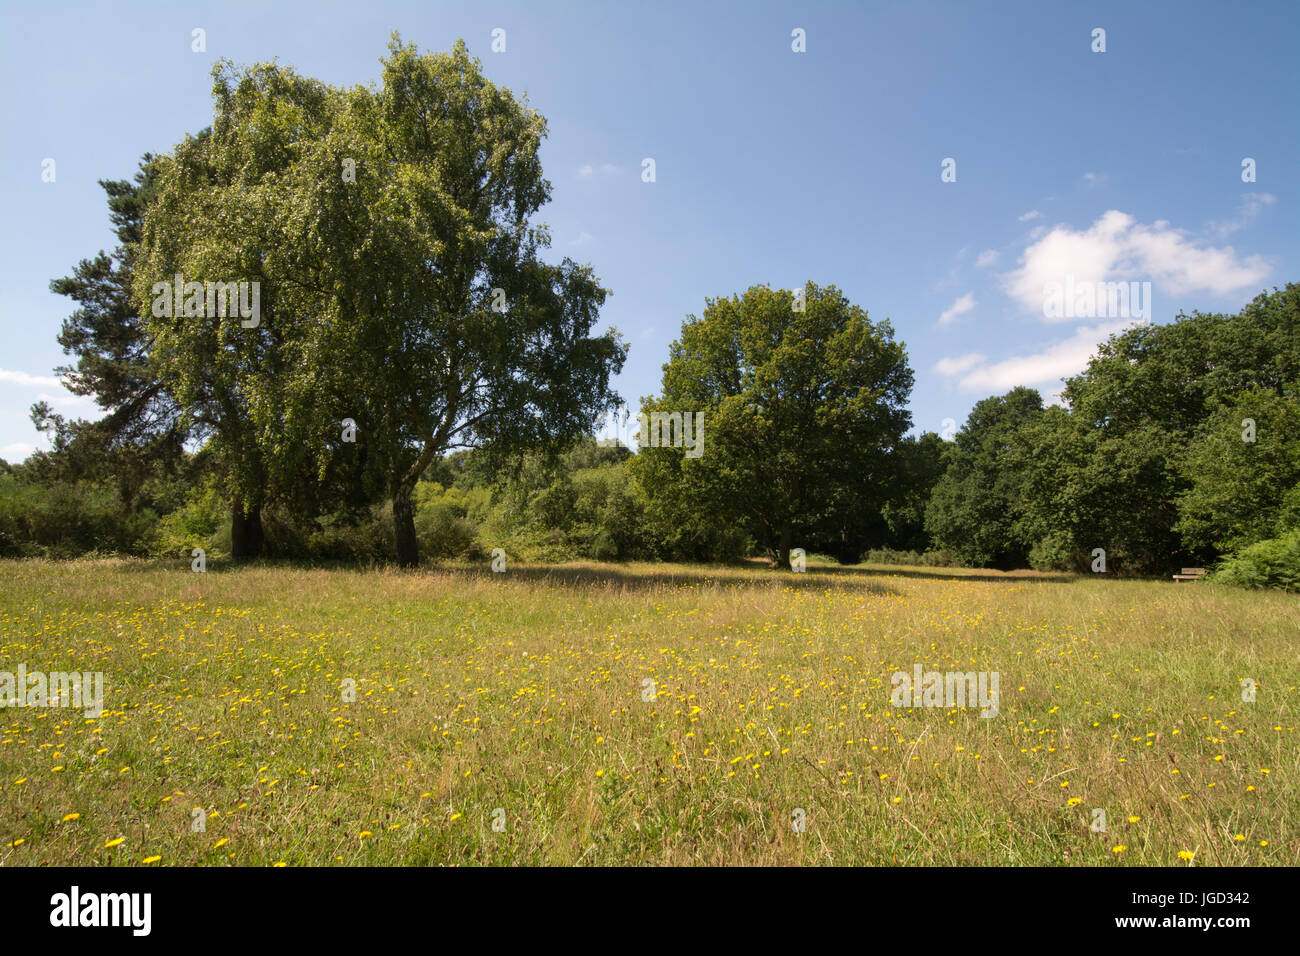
(16, 451)
(958, 364)
(1032, 214)
(1091, 180)
(1048, 365)
(1251, 205)
(603, 169)
(23, 378)
(67, 402)
(959, 307)
(986, 258)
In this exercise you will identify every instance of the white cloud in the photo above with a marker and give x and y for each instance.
(23, 378)
(1117, 248)
(1095, 179)
(1046, 366)
(987, 258)
(604, 169)
(1032, 214)
(16, 451)
(958, 364)
(584, 237)
(68, 402)
(960, 307)
(1251, 206)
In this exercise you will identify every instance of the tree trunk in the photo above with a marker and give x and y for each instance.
(783, 550)
(246, 537)
(408, 548)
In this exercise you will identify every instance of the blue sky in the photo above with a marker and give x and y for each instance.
(772, 166)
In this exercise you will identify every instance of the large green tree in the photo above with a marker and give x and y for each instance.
(977, 508)
(803, 399)
(456, 333)
(919, 464)
(1243, 472)
(1120, 474)
(401, 283)
(228, 210)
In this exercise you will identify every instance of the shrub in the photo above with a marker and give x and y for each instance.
(64, 520)
(195, 524)
(1055, 552)
(941, 558)
(368, 537)
(892, 556)
(1272, 563)
(444, 524)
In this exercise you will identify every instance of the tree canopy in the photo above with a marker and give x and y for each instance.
(398, 282)
(803, 398)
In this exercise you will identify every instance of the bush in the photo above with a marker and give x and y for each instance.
(368, 537)
(941, 558)
(65, 520)
(929, 559)
(892, 556)
(195, 524)
(1272, 563)
(362, 535)
(1055, 552)
(444, 525)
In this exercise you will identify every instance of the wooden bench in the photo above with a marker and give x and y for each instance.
(1190, 574)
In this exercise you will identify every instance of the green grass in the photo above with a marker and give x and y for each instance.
(523, 692)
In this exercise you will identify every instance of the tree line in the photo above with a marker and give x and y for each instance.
(418, 381)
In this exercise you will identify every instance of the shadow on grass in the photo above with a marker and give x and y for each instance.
(940, 574)
(748, 575)
(727, 576)
(745, 574)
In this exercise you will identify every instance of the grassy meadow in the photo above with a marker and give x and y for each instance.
(504, 719)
